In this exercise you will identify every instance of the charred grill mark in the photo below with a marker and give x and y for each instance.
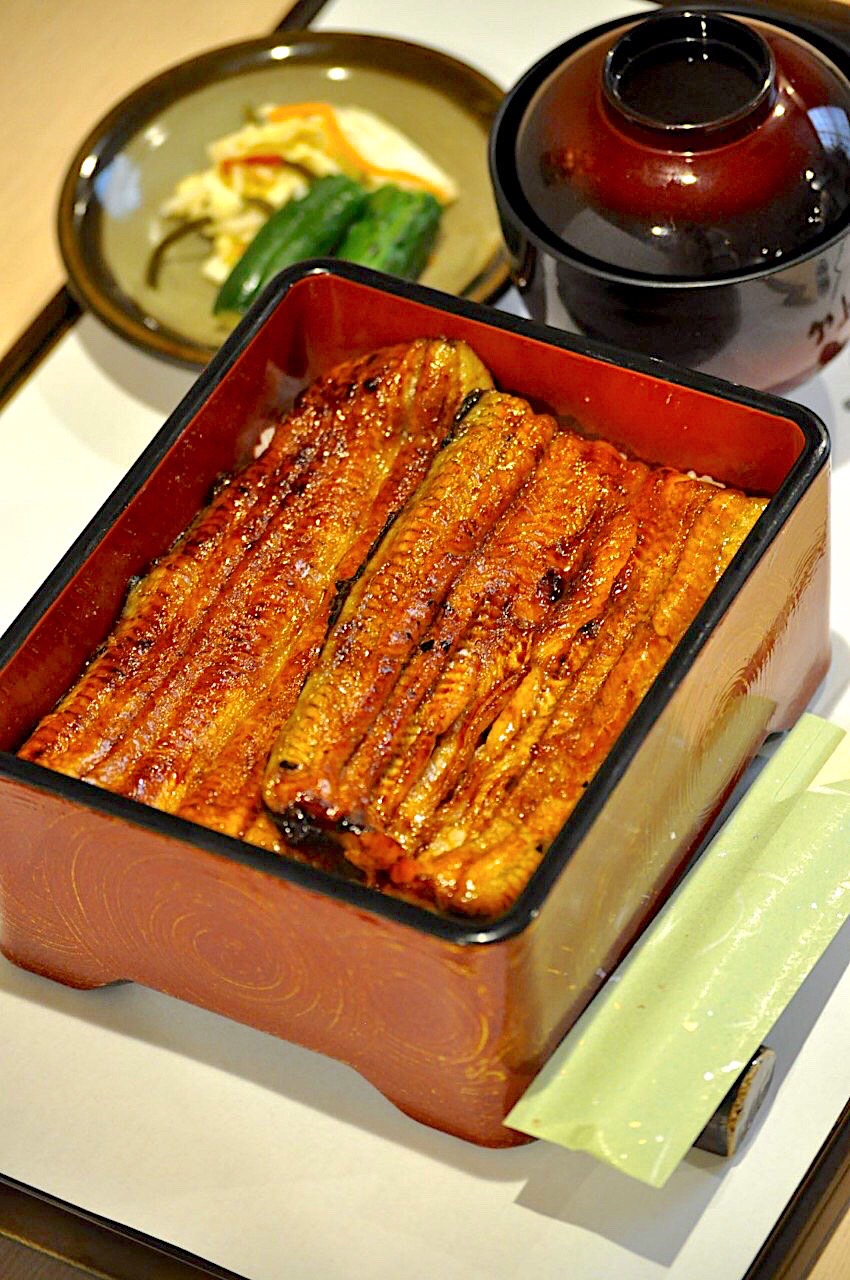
(552, 585)
(342, 588)
(469, 402)
(298, 828)
(344, 585)
(590, 630)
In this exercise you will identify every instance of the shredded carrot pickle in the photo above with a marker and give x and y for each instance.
(401, 642)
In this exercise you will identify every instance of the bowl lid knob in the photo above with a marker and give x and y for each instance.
(684, 145)
(696, 77)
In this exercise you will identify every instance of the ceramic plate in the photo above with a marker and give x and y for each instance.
(109, 220)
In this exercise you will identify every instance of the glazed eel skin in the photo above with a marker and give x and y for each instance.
(401, 642)
(497, 644)
(182, 704)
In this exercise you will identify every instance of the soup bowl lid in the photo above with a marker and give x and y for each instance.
(687, 145)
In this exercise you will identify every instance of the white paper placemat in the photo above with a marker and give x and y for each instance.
(268, 1159)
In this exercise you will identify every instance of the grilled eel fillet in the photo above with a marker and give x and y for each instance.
(492, 652)
(181, 706)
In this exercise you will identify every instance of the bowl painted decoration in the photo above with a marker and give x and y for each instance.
(680, 186)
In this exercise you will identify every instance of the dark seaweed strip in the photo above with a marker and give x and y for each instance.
(155, 261)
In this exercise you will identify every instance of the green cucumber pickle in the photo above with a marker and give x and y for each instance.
(395, 233)
(308, 228)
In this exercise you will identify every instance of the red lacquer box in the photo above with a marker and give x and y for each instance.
(449, 1018)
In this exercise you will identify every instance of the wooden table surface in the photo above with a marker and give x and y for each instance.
(64, 66)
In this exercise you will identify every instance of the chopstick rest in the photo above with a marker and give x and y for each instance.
(640, 1075)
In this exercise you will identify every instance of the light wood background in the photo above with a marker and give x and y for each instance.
(65, 63)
